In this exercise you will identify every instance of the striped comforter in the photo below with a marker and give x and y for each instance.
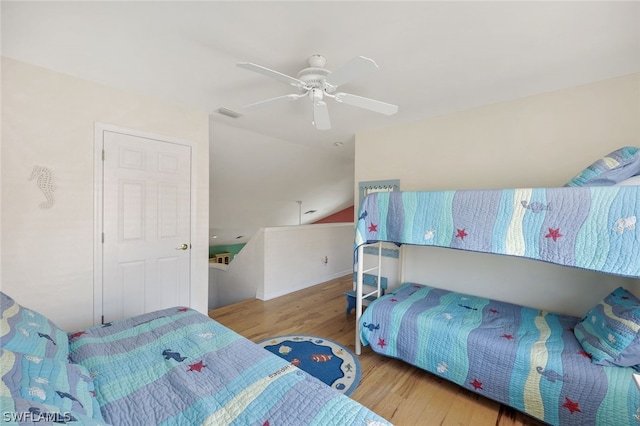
(525, 358)
(584, 227)
(179, 367)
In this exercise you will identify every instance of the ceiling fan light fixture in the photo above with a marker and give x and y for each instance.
(318, 82)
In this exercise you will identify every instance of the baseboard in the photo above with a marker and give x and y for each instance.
(282, 292)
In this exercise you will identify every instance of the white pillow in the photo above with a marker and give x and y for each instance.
(633, 180)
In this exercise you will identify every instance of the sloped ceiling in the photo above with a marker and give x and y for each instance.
(434, 58)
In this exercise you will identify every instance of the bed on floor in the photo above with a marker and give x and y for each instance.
(560, 369)
(170, 367)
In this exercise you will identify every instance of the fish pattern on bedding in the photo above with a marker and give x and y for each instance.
(586, 227)
(523, 357)
(179, 367)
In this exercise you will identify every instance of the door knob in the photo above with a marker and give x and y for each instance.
(182, 247)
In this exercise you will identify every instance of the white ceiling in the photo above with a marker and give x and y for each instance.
(434, 58)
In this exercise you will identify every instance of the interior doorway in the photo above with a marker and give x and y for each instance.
(143, 197)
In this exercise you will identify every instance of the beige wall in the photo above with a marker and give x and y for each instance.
(540, 140)
(48, 119)
(537, 141)
(298, 257)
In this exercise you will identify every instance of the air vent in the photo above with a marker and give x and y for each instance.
(229, 113)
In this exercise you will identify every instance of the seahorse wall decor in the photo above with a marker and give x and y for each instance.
(44, 181)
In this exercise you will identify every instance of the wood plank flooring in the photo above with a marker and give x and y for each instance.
(401, 393)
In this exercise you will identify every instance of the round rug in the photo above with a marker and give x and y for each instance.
(324, 359)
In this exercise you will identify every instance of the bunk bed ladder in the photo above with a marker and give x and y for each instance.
(360, 271)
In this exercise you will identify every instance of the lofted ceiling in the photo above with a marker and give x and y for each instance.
(434, 58)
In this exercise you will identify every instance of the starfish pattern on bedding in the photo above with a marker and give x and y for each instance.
(77, 334)
(461, 233)
(554, 234)
(198, 366)
(477, 384)
(373, 228)
(572, 406)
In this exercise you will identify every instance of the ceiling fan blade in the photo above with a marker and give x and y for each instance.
(271, 73)
(321, 115)
(356, 67)
(271, 101)
(366, 103)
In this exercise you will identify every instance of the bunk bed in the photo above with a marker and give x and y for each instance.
(560, 369)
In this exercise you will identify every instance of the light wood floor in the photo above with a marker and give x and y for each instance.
(401, 393)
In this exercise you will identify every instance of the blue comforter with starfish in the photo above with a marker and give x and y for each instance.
(523, 357)
(584, 227)
(589, 223)
(179, 367)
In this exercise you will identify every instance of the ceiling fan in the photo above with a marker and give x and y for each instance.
(319, 83)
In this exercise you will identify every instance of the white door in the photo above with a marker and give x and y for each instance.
(146, 225)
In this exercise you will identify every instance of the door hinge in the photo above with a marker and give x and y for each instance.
(103, 237)
(102, 320)
(103, 155)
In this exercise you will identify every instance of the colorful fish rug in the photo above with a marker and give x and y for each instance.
(324, 359)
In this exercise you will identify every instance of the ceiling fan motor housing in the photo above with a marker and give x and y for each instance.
(313, 77)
